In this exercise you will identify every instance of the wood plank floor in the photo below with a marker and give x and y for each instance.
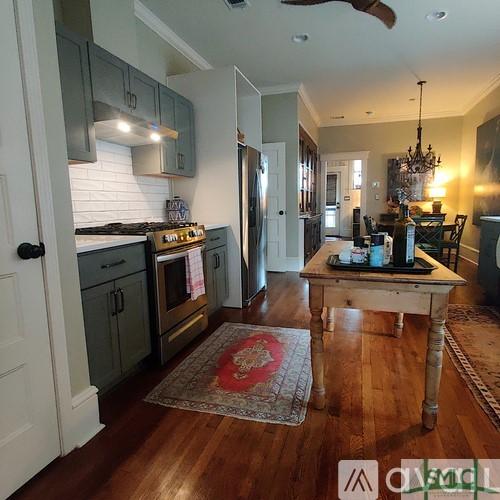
(374, 394)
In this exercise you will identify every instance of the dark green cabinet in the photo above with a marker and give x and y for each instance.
(184, 124)
(489, 272)
(167, 119)
(101, 333)
(116, 84)
(116, 315)
(76, 95)
(216, 269)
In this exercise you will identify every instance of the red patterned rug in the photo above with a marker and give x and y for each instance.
(245, 371)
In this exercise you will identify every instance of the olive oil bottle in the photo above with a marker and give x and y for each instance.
(403, 253)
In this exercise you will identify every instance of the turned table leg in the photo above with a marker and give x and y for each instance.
(317, 356)
(398, 325)
(434, 360)
(330, 318)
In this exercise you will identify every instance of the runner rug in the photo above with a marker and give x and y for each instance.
(473, 343)
(245, 371)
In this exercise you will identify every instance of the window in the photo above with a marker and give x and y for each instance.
(357, 178)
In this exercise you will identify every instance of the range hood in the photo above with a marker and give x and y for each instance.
(113, 125)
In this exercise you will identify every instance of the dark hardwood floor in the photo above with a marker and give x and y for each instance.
(374, 393)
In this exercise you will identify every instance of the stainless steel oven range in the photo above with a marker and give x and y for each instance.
(176, 318)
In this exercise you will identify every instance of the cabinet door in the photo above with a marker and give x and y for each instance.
(221, 276)
(145, 101)
(133, 319)
(101, 334)
(167, 119)
(211, 280)
(110, 78)
(77, 95)
(184, 124)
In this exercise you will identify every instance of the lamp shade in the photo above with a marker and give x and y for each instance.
(436, 192)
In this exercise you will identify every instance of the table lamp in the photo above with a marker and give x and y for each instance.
(437, 193)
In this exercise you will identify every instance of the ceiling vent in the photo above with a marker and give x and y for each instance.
(237, 4)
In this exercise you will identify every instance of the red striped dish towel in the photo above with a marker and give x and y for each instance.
(195, 279)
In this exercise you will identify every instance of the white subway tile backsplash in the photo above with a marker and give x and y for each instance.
(107, 191)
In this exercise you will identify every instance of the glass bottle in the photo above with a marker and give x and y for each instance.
(403, 252)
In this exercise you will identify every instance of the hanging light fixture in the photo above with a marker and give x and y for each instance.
(416, 161)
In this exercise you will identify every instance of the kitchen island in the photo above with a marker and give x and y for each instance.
(399, 293)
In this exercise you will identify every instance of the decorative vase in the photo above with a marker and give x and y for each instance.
(177, 210)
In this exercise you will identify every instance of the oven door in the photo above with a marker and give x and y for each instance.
(174, 303)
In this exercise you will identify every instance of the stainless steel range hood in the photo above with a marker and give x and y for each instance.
(113, 125)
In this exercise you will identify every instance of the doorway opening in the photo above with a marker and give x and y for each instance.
(332, 209)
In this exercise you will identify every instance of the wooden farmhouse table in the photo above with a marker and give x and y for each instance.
(399, 293)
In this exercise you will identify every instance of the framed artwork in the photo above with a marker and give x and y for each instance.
(415, 185)
(487, 176)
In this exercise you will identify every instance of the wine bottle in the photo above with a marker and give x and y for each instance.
(403, 251)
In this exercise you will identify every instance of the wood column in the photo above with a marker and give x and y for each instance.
(434, 360)
(398, 325)
(317, 349)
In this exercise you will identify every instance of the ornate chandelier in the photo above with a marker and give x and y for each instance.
(418, 162)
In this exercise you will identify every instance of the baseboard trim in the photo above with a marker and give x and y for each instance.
(468, 260)
(86, 423)
(471, 253)
(294, 264)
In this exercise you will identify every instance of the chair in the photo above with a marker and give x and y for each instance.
(454, 242)
(370, 224)
(429, 234)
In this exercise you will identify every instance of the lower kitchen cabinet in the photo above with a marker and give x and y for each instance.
(116, 317)
(216, 269)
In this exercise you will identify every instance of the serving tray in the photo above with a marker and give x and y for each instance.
(421, 267)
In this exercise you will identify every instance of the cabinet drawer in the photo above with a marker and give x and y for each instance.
(106, 265)
(216, 238)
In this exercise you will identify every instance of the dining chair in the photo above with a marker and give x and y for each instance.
(429, 234)
(453, 243)
(370, 224)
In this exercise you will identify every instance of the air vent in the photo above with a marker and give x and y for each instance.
(237, 4)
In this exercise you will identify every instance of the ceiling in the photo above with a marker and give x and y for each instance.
(352, 63)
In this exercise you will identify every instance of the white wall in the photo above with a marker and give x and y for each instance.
(107, 191)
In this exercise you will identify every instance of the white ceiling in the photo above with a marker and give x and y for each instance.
(352, 63)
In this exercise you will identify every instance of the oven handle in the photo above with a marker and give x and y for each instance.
(174, 256)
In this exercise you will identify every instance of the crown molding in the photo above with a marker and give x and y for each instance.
(309, 105)
(492, 85)
(152, 21)
(287, 88)
(393, 118)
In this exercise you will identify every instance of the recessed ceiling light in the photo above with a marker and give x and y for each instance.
(411, 99)
(369, 113)
(300, 37)
(337, 117)
(436, 15)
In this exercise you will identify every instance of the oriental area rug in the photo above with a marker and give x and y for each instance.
(473, 343)
(245, 371)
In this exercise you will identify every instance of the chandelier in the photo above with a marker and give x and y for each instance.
(416, 161)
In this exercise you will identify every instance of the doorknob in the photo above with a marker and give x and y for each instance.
(281, 212)
(28, 251)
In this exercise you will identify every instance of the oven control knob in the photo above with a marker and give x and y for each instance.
(191, 234)
(175, 237)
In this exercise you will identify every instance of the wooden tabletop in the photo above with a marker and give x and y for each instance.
(317, 268)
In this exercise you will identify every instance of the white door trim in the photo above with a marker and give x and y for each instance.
(78, 418)
(352, 155)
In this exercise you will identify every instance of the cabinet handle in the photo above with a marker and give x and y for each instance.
(121, 308)
(180, 161)
(113, 264)
(134, 101)
(218, 260)
(113, 302)
(215, 261)
(215, 239)
(129, 99)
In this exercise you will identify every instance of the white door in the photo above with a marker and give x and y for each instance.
(276, 207)
(333, 205)
(29, 437)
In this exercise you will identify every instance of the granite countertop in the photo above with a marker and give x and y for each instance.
(91, 242)
(209, 227)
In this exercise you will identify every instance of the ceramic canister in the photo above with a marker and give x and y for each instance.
(377, 249)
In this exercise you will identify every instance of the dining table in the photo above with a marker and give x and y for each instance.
(400, 293)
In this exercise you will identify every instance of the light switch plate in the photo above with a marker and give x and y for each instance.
(377, 197)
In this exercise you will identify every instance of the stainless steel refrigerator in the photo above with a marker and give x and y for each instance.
(253, 184)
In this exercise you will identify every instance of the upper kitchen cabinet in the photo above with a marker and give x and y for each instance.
(77, 96)
(184, 124)
(117, 85)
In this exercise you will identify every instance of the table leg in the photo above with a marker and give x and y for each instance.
(317, 357)
(330, 318)
(398, 325)
(434, 360)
